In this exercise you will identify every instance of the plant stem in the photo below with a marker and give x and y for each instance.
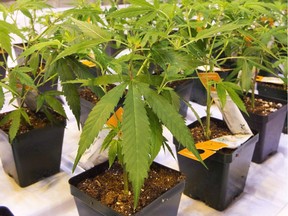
(143, 65)
(125, 179)
(253, 88)
(208, 114)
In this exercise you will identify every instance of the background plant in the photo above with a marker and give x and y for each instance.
(261, 45)
(208, 31)
(23, 81)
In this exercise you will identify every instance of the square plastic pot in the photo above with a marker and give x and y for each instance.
(34, 155)
(269, 128)
(184, 91)
(4, 211)
(167, 204)
(225, 178)
(2, 68)
(280, 94)
(199, 93)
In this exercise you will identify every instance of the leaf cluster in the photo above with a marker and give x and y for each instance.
(25, 79)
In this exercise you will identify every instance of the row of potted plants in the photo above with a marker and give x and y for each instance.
(142, 50)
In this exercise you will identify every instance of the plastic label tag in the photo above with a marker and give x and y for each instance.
(207, 77)
(94, 155)
(115, 118)
(209, 147)
(88, 63)
(274, 80)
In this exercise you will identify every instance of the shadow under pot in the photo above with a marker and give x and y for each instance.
(224, 179)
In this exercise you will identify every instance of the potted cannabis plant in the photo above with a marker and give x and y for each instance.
(274, 85)
(227, 166)
(146, 31)
(266, 114)
(32, 129)
(216, 50)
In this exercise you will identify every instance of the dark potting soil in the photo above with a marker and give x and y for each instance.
(37, 120)
(176, 83)
(108, 188)
(217, 128)
(88, 95)
(262, 107)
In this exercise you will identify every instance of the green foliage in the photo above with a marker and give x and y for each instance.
(233, 91)
(70, 91)
(49, 98)
(136, 143)
(97, 118)
(15, 117)
(162, 42)
(137, 140)
(23, 81)
(5, 40)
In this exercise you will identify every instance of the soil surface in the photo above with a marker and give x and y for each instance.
(37, 120)
(88, 95)
(218, 129)
(108, 188)
(176, 83)
(262, 107)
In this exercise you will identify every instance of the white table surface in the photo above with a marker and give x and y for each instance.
(265, 193)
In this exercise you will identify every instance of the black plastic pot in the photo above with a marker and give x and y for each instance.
(112, 49)
(18, 49)
(48, 86)
(270, 92)
(225, 177)
(199, 93)
(277, 93)
(86, 107)
(34, 155)
(4, 211)
(184, 91)
(167, 204)
(2, 68)
(269, 128)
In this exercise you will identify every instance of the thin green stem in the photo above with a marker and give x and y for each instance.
(126, 182)
(208, 113)
(188, 21)
(143, 65)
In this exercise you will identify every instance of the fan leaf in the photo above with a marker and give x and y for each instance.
(136, 142)
(97, 118)
(170, 118)
(70, 91)
(156, 136)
